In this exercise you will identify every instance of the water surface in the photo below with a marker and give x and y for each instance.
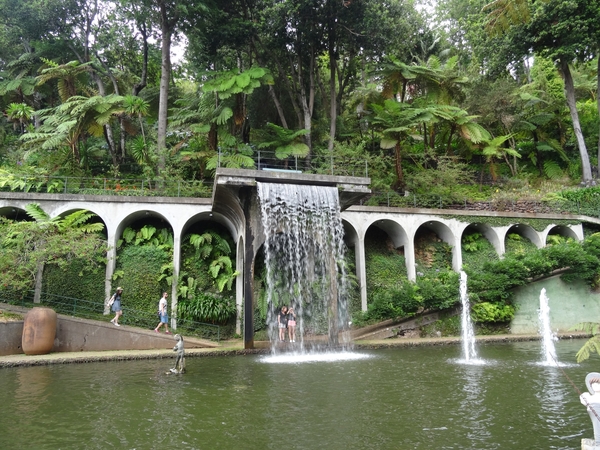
(402, 398)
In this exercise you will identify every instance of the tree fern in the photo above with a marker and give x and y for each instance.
(592, 345)
(552, 170)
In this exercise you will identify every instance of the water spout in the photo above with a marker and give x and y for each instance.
(469, 352)
(546, 333)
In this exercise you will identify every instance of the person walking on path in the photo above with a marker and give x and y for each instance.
(115, 306)
(162, 311)
(282, 323)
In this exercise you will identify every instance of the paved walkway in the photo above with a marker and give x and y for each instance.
(235, 347)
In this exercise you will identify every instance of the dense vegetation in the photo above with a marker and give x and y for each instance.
(467, 93)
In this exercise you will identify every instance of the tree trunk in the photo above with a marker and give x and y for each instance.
(166, 27)
(137, 88)
(571, 103)
(332, 77)
(598, 103)
(399, 170)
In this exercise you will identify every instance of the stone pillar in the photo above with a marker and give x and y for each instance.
(457, 253)
(111, 262)
(176, 268)
(239, 286)
(361, 270)
(409, 256)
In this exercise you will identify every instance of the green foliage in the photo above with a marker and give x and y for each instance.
(139, 268)
(492, 312)
(207, 308)
(77, 280)
(25, 246)
(235, 82)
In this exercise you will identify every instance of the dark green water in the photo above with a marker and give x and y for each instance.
(402, 398)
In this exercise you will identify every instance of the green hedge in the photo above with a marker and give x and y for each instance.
(75, 281)
(139, 268)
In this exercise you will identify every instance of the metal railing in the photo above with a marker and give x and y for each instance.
(71, 306)
(108, 186)
(393, 199)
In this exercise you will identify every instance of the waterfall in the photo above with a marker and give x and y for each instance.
(304, 259)
(548, 337)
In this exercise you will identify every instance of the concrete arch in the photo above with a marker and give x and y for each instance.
(562, 230)
(354, 239)
(488, 232)
(525, 231)
(443, 231)
(14, 213)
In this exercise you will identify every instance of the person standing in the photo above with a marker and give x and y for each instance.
(291, 324)
(282, 323)
(116, 306)
(162, 311)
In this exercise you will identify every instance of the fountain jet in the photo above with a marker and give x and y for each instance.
(546, 333)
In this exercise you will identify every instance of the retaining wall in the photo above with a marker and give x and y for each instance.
(570, 304)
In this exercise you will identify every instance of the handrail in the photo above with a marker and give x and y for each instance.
(87, 309)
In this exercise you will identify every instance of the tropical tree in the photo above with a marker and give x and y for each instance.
(27, 246)
(20, 114)
(73, 120)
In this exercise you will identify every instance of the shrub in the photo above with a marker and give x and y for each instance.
(492, 312)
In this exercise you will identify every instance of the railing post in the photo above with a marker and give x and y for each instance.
(66, 179)
(258, 165)
(178, 187)
(388, 199)
(366, 168)
(332, 162)
(415, 200)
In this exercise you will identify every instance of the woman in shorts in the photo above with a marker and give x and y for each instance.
(282, 319)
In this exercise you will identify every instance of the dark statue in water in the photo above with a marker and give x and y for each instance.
(180, 358)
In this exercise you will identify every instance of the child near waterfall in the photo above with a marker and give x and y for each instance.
(282, 320)
(291, 324)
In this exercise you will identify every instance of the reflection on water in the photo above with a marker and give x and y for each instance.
(405, 398)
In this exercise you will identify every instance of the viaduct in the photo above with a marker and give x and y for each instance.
(233, 206)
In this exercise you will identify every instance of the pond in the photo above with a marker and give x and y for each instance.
(399, 398)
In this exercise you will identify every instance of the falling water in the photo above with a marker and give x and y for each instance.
(548, 337)
(304, 259)
(469, 353)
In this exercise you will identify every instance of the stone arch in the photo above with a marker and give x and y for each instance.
(488, 232)
(560, 230)
(445, 234)
(525, 231)
(207, 219)
(14, 213)
(96, 219)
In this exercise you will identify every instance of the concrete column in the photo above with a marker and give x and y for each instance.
(176, 268)
(409, 256)
(239, 285)
(111, 262)
(361, 270)
(457, 253)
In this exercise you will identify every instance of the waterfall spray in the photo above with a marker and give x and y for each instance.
(304, 259)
